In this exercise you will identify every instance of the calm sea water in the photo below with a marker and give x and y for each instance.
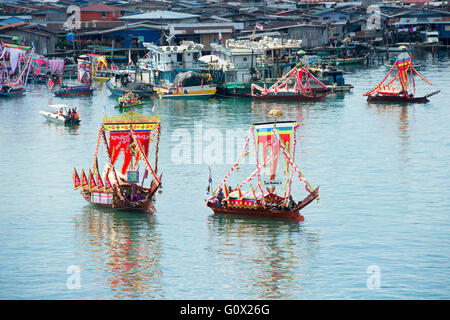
(383, 174)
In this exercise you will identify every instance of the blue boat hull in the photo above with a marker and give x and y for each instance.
(73, 91)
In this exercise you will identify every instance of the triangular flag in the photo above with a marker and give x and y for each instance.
(50, 84)
(227, 195)
(253, 191)
(84, 181)
(92, 184)
(240, 194)
(76, 180)
(108, 185)
(100, 184)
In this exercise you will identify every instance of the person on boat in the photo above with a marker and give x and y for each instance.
(75, 114)
(219, 197)
(291, 203)
(69, 114)
(61, 112)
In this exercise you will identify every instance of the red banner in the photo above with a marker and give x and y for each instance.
(122, 141)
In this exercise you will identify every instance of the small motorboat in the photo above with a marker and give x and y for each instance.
(62, 114)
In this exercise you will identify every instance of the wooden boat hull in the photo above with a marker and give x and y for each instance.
(12, 92)
(73, 91)
(267, 212)
(115, 91)
(397, 99)
(131, 105)
(259, 212)
(187, 96)
(145, 205)
(291, 97)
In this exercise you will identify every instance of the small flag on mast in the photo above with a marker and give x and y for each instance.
(260, 27)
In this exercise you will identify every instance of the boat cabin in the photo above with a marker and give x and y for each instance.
(162, 63)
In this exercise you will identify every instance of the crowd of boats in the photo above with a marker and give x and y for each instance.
(272, 69)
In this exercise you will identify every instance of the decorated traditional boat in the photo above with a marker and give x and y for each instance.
(63, 114)
(398, 88)
(293, 86)
(280, 139)
(44, 70)
(15, 62)
(131, 134)
(188, 84)
(100, 71)
(129, 100)
(84, 77)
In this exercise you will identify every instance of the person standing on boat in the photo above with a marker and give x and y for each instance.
(219, 197)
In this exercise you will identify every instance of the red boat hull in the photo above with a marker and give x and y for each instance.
(267, 212)
(259, 212)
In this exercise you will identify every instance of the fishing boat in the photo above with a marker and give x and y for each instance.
(398, 88)
(188, 84)
(124, 81)
(131, 137)
(332, 78)
(293, 86)
(274, 148)
(84, 77)
(62, 114)
(15, 62)
(129, 100)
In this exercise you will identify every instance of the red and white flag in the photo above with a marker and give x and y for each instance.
(154, 108)
(260, 27)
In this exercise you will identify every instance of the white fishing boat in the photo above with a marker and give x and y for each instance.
(60, 113)
(188, 85)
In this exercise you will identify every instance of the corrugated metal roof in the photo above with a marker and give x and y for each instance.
(160, 15)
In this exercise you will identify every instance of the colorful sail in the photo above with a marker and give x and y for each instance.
(122, 128)
(265, 139)
(84, 71)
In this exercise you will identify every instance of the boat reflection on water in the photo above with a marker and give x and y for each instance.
(275, 255)
(126, 246)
